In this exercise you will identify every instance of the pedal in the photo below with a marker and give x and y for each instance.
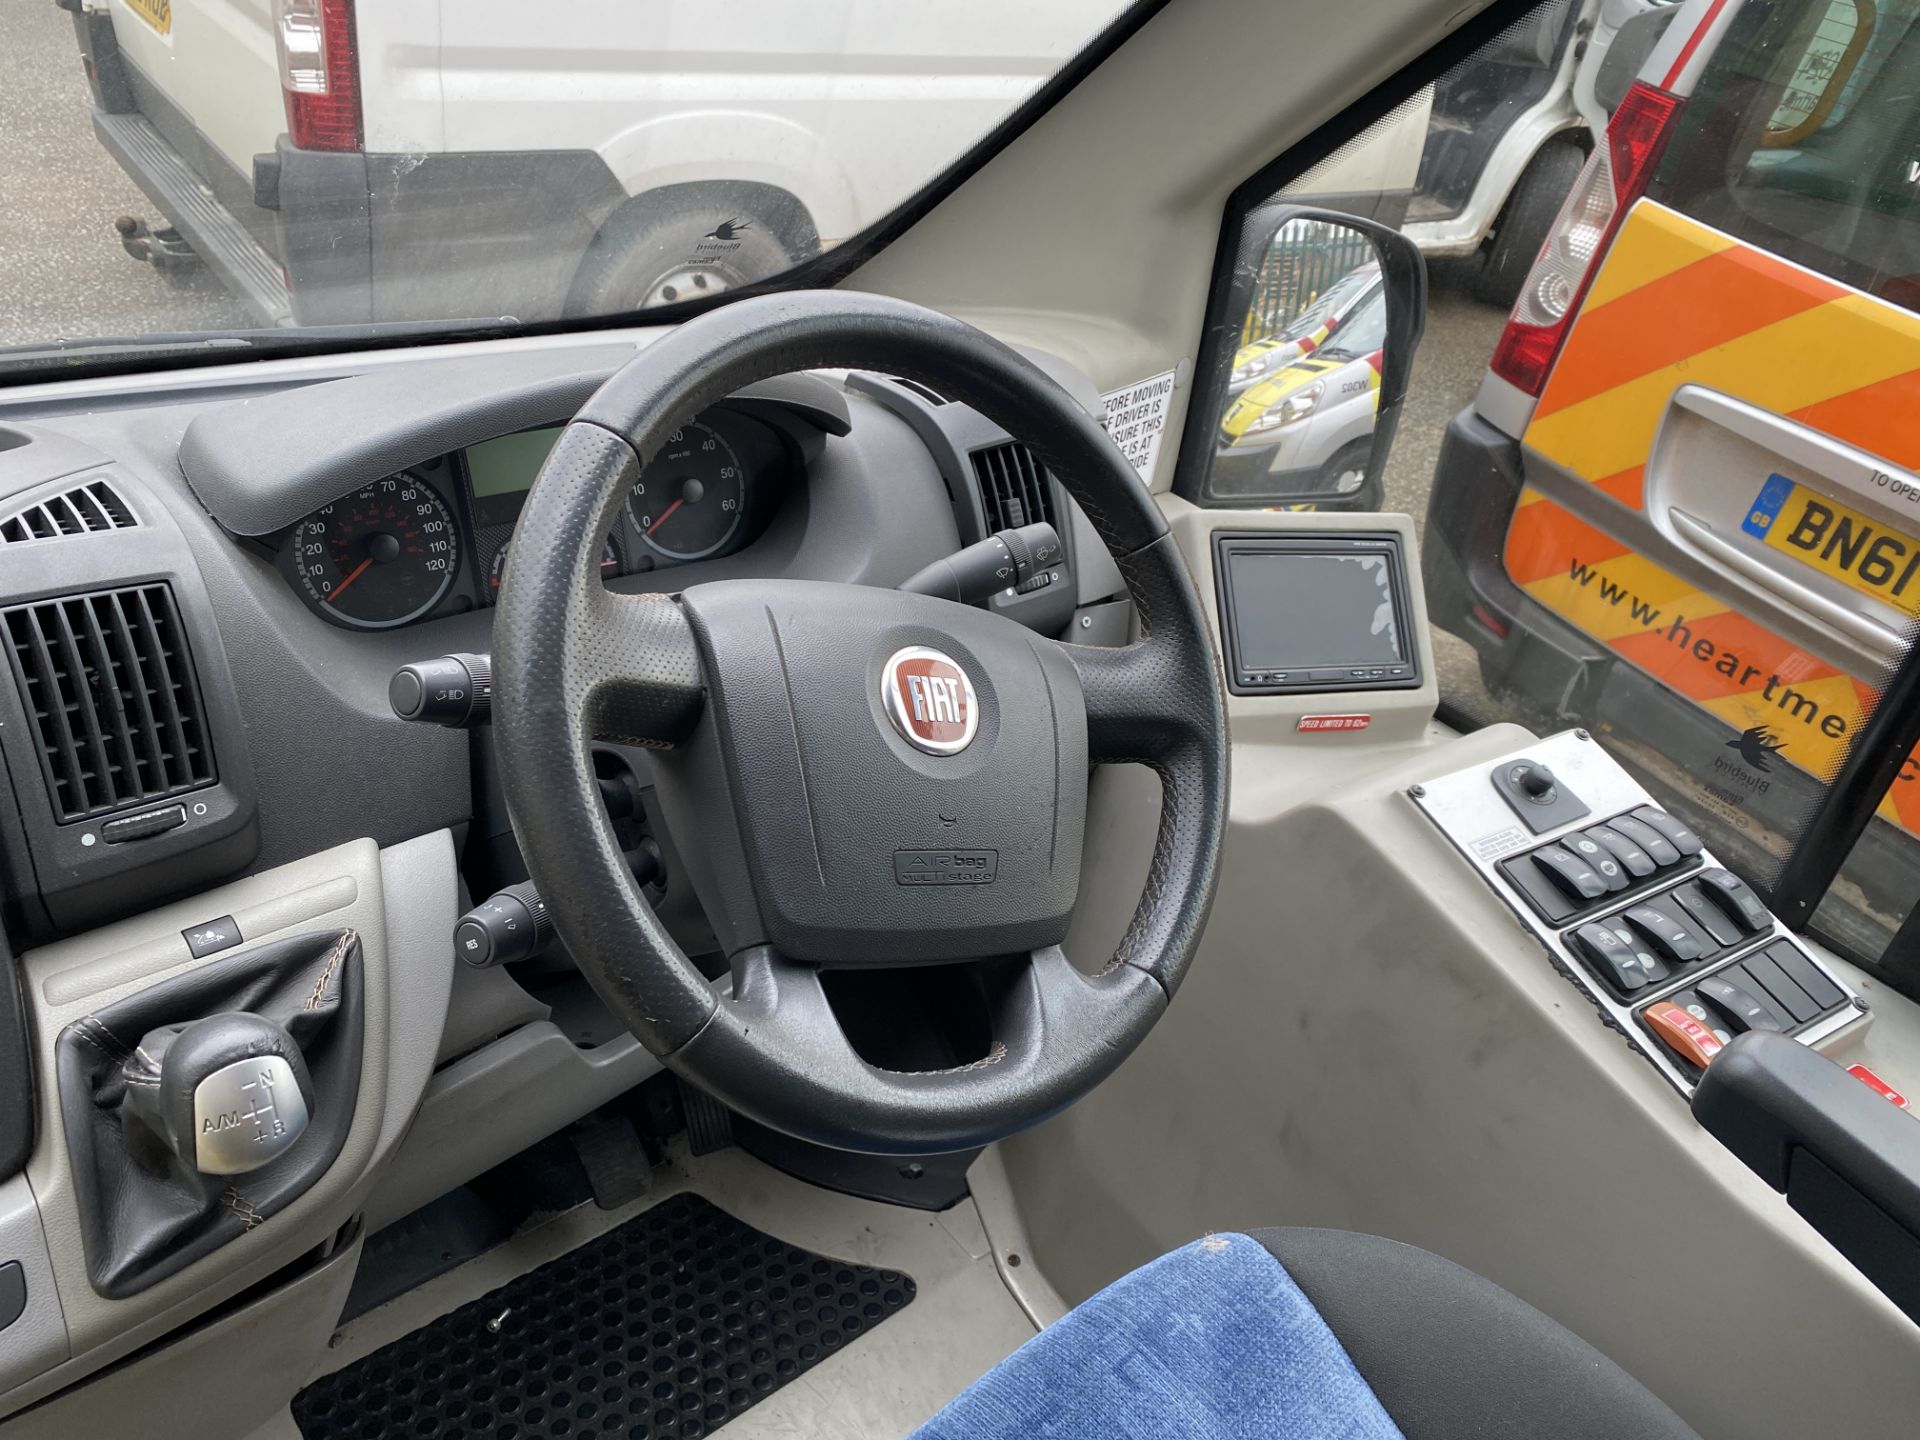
(615, 1161)
(709, 1123)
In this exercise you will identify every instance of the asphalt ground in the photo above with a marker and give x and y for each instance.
(1461, 333)
(63, 274)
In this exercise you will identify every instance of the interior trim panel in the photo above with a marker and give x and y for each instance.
(401, 902)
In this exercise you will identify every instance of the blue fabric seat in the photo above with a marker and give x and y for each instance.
(1304, 1335)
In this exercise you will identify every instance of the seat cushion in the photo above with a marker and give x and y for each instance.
(1449, 1353)
(1213, 1342)
(1305, 1335)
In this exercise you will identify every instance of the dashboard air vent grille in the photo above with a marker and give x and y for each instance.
(108, 684)
(1014, 490)
(924, 391)
(79, 511)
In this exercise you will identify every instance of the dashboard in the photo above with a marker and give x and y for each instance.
(436, 538)
(208, 579)
(270, 544)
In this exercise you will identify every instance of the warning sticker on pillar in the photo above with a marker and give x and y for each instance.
(1135, 417)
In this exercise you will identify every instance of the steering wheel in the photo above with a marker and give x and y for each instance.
(854, 777)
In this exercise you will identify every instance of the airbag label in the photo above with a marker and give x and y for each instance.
(946, 867)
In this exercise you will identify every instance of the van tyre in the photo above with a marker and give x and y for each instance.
(666, 249)
(1345, 475)
(1528, 215)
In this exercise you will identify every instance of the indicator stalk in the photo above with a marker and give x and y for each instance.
(1005, 560)
(513, 924)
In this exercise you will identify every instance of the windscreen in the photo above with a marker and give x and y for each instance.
(336, 168)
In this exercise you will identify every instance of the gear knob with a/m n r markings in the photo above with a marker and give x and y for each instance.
(225, 1094)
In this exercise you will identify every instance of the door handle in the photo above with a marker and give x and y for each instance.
(1887, 644)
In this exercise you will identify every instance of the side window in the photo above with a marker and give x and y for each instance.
(1820, 73)
(1660, 434)
(1809, 145)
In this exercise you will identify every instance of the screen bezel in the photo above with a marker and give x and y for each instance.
(1242, 681)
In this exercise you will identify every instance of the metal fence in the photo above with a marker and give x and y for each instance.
(1305, 258)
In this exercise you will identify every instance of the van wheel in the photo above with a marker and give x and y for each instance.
(1528, 215)
(664, 250)
(1346, 473)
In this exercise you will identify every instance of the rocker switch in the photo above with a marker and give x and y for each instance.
(1600, 858)
(1669, 936)
(1578, 879)
(1736, 899)
(1743, 1010)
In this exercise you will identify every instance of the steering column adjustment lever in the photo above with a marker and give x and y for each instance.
(513, 924)
(451, 690)
(1005, 560)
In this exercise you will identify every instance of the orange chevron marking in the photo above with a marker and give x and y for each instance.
(1705, 304)
(1882, 419)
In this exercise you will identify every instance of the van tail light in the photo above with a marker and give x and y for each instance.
(1614, 177)
(320, 72)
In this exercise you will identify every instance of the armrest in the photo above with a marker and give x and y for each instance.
(1846, 1159)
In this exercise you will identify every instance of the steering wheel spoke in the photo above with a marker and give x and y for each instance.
(1129, 717)
(1049, 1040)
(641, 669)
(1144, 700)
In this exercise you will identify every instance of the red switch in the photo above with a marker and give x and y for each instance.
(1682, 1034)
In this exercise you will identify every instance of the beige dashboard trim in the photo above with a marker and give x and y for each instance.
(403, 901)
(148, 961)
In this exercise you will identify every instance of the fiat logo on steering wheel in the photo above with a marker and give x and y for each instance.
(930, 700)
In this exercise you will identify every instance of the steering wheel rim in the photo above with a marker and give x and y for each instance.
(574, 662)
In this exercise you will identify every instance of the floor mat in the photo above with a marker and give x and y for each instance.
(663, 1329)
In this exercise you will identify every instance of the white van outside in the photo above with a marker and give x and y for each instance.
(1513, 124)
(343, 161)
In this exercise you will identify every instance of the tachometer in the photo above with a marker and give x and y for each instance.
(382, 556)
(689, 502)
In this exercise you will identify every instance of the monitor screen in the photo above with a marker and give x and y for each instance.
(1299, 609)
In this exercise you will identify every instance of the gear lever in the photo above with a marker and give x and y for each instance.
(223, 1095)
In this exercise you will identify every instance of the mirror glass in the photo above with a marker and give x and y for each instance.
(1297, 422)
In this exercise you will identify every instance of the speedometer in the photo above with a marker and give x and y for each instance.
(689, 502)
(382, 556)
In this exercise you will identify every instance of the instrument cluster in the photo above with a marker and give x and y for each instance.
(436, 538)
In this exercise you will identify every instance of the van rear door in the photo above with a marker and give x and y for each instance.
(1718, 506)
(206, 76)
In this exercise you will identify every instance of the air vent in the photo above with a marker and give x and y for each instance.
(1014, 489)
(925, 392)
(79, 511)
(107, 680)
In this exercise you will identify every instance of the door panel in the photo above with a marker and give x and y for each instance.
(1703, 381)
(215, 60)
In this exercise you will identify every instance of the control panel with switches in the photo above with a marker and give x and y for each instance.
(1675, 949)
(1583, 870)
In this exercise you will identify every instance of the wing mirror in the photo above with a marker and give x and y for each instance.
(1300, 404)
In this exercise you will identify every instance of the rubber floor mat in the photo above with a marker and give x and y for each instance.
(663, 1329)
